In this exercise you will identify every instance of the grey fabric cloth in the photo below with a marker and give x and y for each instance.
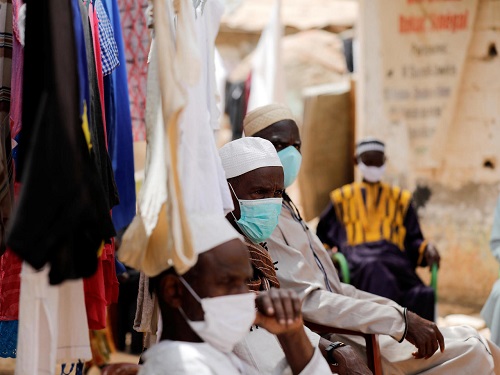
(146, 315)
(301, 260)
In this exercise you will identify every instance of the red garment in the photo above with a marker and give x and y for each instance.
(10, 279)
(111, 284)
(10, 285)
(101, 289)
(94, 26)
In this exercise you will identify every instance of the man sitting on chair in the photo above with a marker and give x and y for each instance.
(304, 265)
(376, 227)
(209, 309)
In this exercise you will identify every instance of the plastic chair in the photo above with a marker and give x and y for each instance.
(373, 356)
(339, 259)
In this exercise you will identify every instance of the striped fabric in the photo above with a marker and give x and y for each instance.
(264, 271)
(372, 212)
(6, 172)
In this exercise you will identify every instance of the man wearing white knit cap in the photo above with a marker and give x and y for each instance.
(382, 242)
(209, 309)
(304, 265)
(255, 176)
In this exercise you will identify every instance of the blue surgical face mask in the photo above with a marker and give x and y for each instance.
(258, 217)
(291, 159)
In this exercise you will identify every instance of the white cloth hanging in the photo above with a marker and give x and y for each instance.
(268, 82)
(205, 186)
(52, 323)
(159, 236)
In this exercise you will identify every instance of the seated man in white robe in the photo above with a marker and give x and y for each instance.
(409, 344)
(209, 309)
(255, 177)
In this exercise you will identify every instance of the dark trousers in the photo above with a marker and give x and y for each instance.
(387, 272)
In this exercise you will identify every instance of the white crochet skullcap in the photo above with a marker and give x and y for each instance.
(262, 117)
(369, 144)
(247, 154)
(210, 231)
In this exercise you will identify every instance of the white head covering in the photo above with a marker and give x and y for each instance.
(369, 144)
(210, 231)
(262, 117)
(247, 154)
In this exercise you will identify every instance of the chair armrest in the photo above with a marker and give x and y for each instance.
(374, 359)
(434, 278)
(339, 258)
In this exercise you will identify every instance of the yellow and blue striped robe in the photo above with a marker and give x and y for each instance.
(364, 213)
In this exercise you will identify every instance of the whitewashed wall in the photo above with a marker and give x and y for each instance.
(463, 185)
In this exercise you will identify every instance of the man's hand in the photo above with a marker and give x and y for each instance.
(432, 255)
(349, 362)
(279, 311)
(425, 335)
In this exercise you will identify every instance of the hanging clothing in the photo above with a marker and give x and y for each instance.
(97, 125)
(236, 107)
(159, 235)
(267, 75)
(62, 217)
(147, 312)
(203, 179)
(50, 324)
(109, 49)
(376, 227)
(101, 289)
(17, 72)
(10, 268)
(10, 285)
(119, 126)
(136, 41)
(6, 171)
(94, 26)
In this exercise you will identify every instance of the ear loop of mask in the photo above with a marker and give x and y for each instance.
(191, 290)
(232, 212)
(193, 293)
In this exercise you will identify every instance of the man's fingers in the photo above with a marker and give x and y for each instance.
(288, 308)
(440, 338)
(265, 304)
(297, 305)
(431, 348)
(281, 304)
(278, 306)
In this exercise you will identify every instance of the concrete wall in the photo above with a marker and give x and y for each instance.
(457, 197)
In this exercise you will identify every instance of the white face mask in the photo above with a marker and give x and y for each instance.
(227, 320)
(371, 174)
